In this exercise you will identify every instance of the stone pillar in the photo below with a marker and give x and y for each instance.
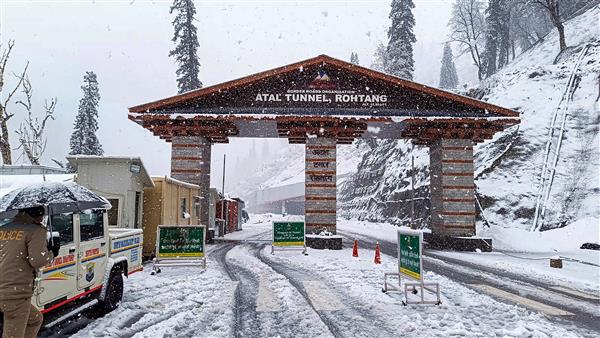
(452, 187)
(320, 185)
(190, 162)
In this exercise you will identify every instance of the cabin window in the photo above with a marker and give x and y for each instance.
(196, 207)
(184, 208)
(63, 224)
(138, 203)
(91, 225)
(113, 213)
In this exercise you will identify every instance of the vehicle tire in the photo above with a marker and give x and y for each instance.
(114, 292)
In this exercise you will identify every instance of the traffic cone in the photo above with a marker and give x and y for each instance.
(355, 249)
(377, 254)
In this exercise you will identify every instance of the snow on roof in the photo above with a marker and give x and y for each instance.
(78, 159)
(175, 181)
(9, 183)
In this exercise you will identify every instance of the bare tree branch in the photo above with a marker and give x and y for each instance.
(5, 148)
(31, 131)
(10, 95)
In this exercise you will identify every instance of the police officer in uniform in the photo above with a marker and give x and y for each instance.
(23, 250)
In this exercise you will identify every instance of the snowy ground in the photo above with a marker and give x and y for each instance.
(248, 292)
(522, 252)
(177, 302)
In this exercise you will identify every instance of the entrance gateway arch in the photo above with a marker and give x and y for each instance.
(322, 102)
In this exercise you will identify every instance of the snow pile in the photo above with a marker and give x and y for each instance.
(569, 238)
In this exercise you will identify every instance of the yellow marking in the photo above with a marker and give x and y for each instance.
(85, 259)
(183, 254)
(58, 266)
(410, 273)
(125, 248)
(528, 303)
(288, 243)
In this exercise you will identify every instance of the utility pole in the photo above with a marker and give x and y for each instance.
(223, 200)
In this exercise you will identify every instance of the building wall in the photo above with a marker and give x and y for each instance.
(153, 211)
(114, 181)
(162, 205)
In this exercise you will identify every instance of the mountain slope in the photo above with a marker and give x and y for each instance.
(378, 186)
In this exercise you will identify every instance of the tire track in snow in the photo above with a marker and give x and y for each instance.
(350, 321)
(296, 317)
(219, 253)
(246, 318)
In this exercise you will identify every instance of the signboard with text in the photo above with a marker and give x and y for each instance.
(410, 263)
(288, 233)
(180, 242)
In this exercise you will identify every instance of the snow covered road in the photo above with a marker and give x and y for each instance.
(247, 292)
(563, 304)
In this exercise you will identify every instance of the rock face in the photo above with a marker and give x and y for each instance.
(380, 189)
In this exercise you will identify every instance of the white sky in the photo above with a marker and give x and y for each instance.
(127, 44)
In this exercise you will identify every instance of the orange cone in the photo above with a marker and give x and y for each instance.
(377, 254)
(355, 249)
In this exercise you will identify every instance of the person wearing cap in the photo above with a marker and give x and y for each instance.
(24, 249)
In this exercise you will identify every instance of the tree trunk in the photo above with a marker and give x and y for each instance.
(561, 35)
(553, 9)
(5, 145)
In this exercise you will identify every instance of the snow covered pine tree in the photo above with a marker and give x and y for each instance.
(354, 58)
(497, 36)
(185, 52)
(400, 49)
(84, 140)
(448, 76)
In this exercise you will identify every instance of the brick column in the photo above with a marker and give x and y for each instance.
(452, 187)
(320, 185)
(190, 162)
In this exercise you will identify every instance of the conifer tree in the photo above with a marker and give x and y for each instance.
(354, 58)
(380, 59)
(448, 76)
(83, 139)
(401, 37)
(186, 40)
(497, 36)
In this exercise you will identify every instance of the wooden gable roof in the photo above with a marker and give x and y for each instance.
(324, 86)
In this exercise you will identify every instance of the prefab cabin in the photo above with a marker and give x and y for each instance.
(121, 180)
(169, 202)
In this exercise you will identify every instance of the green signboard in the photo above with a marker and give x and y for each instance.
(409, 253)
(288, 233)
(180, 242)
